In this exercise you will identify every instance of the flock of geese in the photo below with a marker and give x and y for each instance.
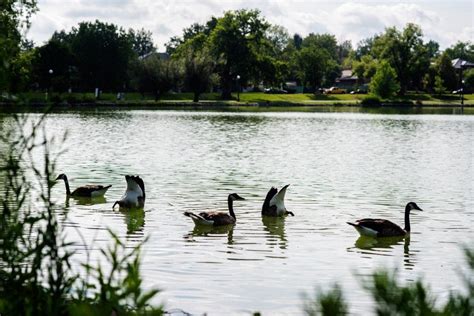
(274, 205)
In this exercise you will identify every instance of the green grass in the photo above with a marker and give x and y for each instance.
(248, 97)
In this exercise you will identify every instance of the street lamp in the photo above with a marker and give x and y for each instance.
(238, 88)
(50, 75)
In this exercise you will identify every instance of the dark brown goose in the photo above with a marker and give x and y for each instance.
(274, 204)
(89, 190)
(217, 218)
(134, 196)
(374, 227)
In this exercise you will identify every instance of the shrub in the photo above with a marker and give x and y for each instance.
(370, 100)
(384, 84)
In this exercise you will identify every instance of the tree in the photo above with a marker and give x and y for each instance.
(102, 52)
(469, 80)
(14, 17)
(384, 83)
(198, 70)
(463, 50)
(446, 71)
(327, 42)
(312, 66)
(365, 68)
(142, 42)
(154, 75)
(55, 55)
(405, 52)
(236, 40)
(438, 85)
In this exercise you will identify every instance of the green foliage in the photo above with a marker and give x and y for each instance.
(312, 65)
(468, 78)
(446, 71)
(142, 42)
(438, 86)
(154, 75)
(236, 41)
(394, 299)
(14, 19)
(384, 83)
(330, 303)
(406, 53)
(371, 100)
(198, 70)
(36, 276)
(463, 50)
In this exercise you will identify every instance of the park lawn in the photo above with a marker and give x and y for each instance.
(248, 97)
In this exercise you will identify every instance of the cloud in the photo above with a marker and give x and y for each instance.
(351, 20)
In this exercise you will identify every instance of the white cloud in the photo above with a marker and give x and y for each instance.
(443, 22)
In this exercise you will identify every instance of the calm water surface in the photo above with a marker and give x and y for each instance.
(340, 166)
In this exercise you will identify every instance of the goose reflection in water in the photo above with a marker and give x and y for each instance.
(380, 245)
(85, 200)
(211, 231)
(275, 226)
(135, 220)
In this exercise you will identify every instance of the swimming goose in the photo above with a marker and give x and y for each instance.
(134, 196)
(384, 228)
(274, 204)
(90, 190)
(217, 218)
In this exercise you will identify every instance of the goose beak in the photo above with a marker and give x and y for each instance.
(116, 202)
(419, 209)
(239, 198)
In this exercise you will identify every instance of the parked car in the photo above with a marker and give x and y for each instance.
(275, 91)
(359, 91)
(335, 90)
(457, 91)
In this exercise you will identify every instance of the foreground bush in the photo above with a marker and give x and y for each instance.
(36, 275)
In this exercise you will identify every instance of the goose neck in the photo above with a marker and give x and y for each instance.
(407, 219)
(230, 204)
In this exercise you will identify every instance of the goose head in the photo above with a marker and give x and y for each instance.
(235, 197)
(62, 176)
(412, 206)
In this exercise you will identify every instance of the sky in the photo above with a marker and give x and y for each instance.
(445, 21)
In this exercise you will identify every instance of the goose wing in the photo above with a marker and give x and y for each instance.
(383, 227)
(88, 190)
(219, 218)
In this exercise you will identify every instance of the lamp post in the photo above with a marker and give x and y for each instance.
(50, 76)
(238, 88)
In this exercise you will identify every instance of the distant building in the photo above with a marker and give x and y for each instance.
(458, 63)
(163, 55)
(347, 80)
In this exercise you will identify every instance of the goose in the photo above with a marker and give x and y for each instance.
(134, 196)
(274, 204)
(373, 227)
(90, 190)
(216, 218)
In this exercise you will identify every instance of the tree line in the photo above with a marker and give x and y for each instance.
(240, 48)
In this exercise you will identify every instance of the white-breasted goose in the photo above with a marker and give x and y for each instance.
(90, 190)
(217, 218)
(134, 196)
(274, 204)
(375, 227)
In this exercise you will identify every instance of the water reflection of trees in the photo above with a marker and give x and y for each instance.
(275, 227)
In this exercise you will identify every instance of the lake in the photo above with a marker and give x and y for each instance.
(341, 167)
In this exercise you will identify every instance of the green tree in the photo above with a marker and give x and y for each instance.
(469, 80)
(463, 50)
(438, 86)
(154, 75)
(102, 53)
(236, 41)
(384, 83)
(142, 42)
(405, 52)
(198, 70)
(14, 19)
(56, 55)
(365, 68)
(446, 71)
(312, 66)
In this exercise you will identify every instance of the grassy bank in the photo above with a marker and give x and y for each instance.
(420, 99)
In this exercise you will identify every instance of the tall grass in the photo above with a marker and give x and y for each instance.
(36, 274)
(391, 298)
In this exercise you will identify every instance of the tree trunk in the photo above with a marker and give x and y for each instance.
(196, 97)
